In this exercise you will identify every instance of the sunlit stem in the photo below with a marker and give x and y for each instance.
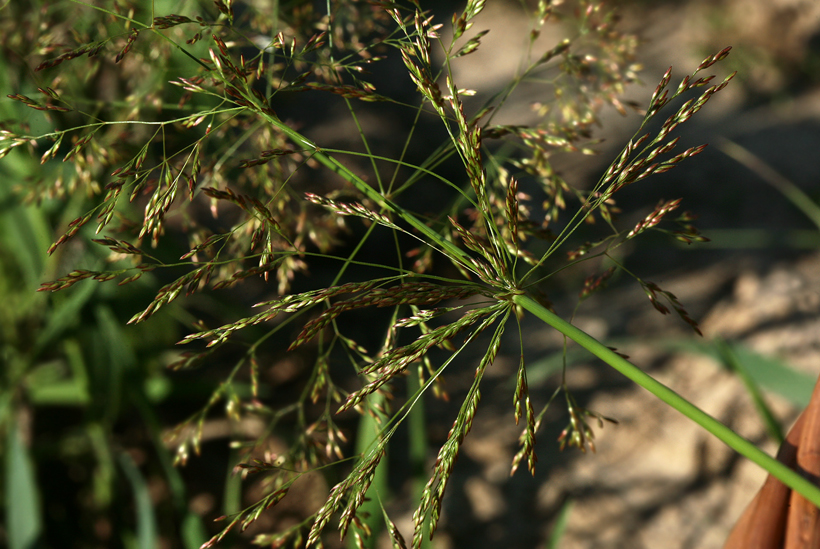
(783, 473)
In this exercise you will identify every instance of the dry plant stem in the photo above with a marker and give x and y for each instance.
(778, 518)
(804, 518)
(763, 524)
(787, 476)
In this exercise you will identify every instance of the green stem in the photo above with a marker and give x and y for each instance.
(344, 172)
(787, 476)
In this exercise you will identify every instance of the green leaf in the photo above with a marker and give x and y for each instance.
(146, 521)
(62, 393)
(232, 494)
(193, 531)
(50, 384)
(371, 511)
(776, 376)
(560, 526)
(26, 236)
(106, 468)
(732, 362)
(116, 360)
(65, 315)
(22, 499)
(768, 372)
(540, 370)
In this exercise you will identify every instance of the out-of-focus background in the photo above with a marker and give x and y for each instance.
(86, 401)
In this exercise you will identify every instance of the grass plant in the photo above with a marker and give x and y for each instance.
(213, 182)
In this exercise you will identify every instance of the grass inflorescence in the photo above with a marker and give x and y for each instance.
(219, 161)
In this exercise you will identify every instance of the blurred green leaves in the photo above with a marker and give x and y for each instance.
(74, 374)
(22, 497)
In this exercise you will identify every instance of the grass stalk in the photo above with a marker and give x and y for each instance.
(787, 476)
